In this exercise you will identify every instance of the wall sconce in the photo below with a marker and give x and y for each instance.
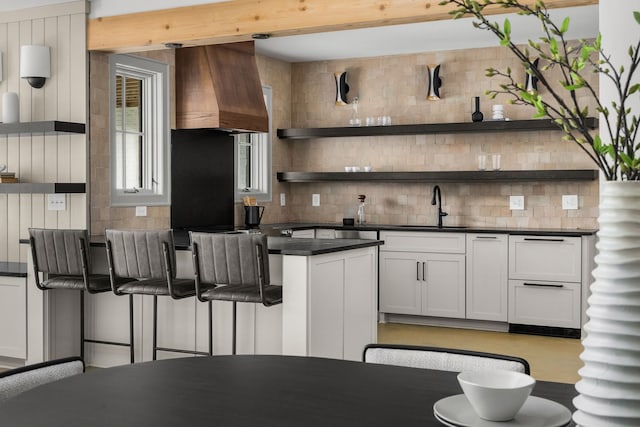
(434, 82)
(531, 81)
(35, 64)
(342, 88)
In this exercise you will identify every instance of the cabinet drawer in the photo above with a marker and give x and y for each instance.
(545, 258)
(544, 303)
(304, 234)
(440, 242)
(323, 233)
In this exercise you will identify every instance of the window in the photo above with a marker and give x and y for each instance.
(253, 160)
(139, 121)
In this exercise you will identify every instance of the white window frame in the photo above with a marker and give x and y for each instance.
(261, 187)
(155, 122)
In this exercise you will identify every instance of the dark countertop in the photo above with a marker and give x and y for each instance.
(282, 245)
(450, 229)
(306, 247)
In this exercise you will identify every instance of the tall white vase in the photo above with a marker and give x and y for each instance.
(10, 108)
(610, 379)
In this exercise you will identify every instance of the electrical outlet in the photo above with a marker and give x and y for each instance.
(283, 199)
(56, 202)
(315, 200)
(570, 202)
(516, 203)
(141, 211)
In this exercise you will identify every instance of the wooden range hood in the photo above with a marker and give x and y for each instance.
(218, 86)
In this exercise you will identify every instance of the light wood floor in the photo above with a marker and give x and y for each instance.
(551, 359)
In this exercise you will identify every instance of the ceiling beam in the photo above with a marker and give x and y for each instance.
(237, 20)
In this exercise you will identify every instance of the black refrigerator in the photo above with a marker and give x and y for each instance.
(202, 168)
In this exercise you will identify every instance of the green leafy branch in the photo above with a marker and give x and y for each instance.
(560, 100)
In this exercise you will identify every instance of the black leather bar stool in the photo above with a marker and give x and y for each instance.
(233, 267)
(63, 255)
(143, 262)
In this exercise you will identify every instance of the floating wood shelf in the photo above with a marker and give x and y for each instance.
(44, 188)
(46, 128)
(443, 176)
(13, 269)
(432, 128)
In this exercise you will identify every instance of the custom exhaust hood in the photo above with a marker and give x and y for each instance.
(218, 86)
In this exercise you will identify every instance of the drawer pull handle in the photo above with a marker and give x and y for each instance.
(545, 285)
(486, 237)
(538, 239)
(417, 270)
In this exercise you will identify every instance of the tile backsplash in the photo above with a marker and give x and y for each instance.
(397, 86)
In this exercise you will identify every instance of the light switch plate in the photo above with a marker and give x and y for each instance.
(56, 202)
(516, 203)
(141, 211)
(283, 199)
(570, 202)
(315, 200)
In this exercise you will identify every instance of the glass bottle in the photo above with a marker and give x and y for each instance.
(360, 218)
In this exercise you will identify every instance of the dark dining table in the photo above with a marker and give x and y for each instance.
(245, 390)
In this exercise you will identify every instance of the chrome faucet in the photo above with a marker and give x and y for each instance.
(437, 193)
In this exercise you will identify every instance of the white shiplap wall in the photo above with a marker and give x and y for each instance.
(38, 158)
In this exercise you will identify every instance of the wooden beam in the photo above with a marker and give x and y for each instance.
(236, 20)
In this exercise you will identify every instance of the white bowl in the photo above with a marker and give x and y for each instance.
(496, 395)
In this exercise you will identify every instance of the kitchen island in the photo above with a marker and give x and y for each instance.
(329, 309)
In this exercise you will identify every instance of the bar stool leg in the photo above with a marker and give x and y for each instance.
(233, 343)
(210, 330)
(155, 325)
(82, 325)
(131, 352)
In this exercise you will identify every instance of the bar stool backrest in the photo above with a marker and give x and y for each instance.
(57, 251)
(141, 253)
(231, 259)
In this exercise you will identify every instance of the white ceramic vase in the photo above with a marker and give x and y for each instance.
(610, 378)
(10, 108)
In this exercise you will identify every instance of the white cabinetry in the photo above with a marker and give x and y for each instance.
(13, 317)
(330, 304)
(487, 280)
(545, 281)
(423, 273)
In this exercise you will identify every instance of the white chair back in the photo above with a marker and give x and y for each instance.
(19, 380)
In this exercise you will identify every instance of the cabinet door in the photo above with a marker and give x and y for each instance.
(553, 258)
(400, 282)
(13, 317)
(326, 306)
(443, 285)
(544, 303)
(487, 281)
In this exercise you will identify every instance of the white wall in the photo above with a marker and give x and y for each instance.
(39, 158)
